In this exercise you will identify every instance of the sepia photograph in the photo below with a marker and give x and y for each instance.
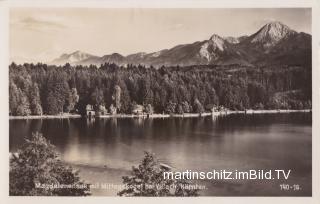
(160, 102)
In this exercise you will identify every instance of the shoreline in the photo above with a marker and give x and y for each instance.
(45, 116)
(186, 115)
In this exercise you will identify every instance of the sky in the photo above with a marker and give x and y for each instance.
(42, 34)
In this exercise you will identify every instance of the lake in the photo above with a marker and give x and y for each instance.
(105, 149)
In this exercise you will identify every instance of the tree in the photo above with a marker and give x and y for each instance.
(257, 93)
(227, 98)
(112, 109)
(186, 107)
(146, 94)
(125, 99)
(35, 102)
(72, 100)
(213, 98)
(36, 166)
(147, 180)
(23, 105)
(57, 92)
(180, 109)
(117, 97)
(198, 108)
(273, 103)
(13, 98)
(171, 107)
(18, 101)
(258, 106)
(97, 97)
(149, 109)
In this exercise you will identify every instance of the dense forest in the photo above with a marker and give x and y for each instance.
(37, 89)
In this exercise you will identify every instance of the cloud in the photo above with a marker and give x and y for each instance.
(40, 23)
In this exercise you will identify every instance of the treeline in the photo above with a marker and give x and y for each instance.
(37, 89)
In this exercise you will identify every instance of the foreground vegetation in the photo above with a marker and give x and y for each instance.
(37, 89)
(35, 170)
(147, 180)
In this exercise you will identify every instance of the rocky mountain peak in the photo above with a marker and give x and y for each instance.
(217, 42)
(272, 33)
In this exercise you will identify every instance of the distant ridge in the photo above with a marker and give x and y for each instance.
(274, 43)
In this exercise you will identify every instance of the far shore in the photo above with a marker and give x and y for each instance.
(156, 115)
(62, 116)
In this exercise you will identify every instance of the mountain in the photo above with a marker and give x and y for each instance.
(115, 58)
(72, 58)
(274, 43)
(270, 34)
(295, 49)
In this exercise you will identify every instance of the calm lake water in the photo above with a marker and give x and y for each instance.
(104, 150)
